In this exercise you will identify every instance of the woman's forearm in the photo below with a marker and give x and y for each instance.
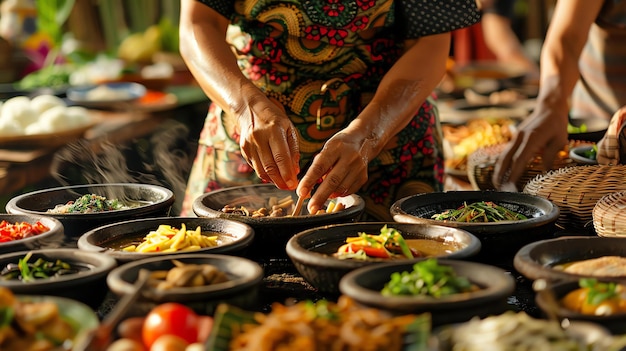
(401, 92)
(211, 60)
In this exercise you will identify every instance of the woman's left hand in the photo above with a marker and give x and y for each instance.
(341, 166)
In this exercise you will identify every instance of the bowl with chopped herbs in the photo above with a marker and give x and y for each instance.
(452, 291)
(83, 207)
(503, 221)
(64, 272)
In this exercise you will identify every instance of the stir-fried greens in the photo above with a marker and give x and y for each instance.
(89, 203)
(482, 211)
(389, 243)
(40, 269)
(428, 278)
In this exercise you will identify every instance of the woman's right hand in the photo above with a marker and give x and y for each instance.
(269, 143)
(544, 133)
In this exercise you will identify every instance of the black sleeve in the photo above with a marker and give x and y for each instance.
(418, 18)
(223, 7)
(505, 8)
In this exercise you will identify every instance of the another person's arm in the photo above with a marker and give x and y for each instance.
(267, 137)
(545, 131)
(400, 94)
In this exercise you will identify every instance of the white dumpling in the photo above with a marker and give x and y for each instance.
(77, 116)
(41, 103)
(38, 128)
(19, 109)
(54, 119)
(9, 127)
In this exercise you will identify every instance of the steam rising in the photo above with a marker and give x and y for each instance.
(162, 159)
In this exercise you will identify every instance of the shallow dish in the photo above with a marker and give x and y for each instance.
(615, 323)
(154, 201)
(233, 237)
(106, 95)
(87, 286)
(240, 290)
(498, 239)
(311, 251)
(540, 260)
(51, 238)
(272, 233)
(81, 317)
(579, 154)
(364, 286)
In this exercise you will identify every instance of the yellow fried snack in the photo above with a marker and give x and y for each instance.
(169, 239)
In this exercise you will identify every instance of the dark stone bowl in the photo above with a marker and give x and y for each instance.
(595, 129)
(241, 290)
(87, 286)
(233, 237)
(498, 239)
(311, 251)
(364, 286)
(272, 233)
(616, 323)
(540, 260)
(49, 239)
(155, 201)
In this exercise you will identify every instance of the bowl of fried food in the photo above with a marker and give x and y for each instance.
(503, 221)
(451, 291)
(323, 255)
(42, 322)
(83, 207)
(269, 211)
(148, 237)
(201, 281)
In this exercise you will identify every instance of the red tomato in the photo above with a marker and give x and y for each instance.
(170, 318)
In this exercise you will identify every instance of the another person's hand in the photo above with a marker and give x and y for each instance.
(342, 167)
(269, 142)
(544, 133)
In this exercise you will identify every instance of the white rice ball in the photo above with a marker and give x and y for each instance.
(41, 103)
(19, 109)
(9, 127)
(77, 116)
(55, 119)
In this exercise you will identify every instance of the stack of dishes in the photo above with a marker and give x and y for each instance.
(608, 219)
(576, 190)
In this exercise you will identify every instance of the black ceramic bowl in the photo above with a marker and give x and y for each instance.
(233, 237)
(88, 285)
(272, 233)
(498, 239)
(591, 129)
(364, 286)
(542, 259)
(311, 251)
(154, 201)
(545, 299)
(241, 289)
(51, 238)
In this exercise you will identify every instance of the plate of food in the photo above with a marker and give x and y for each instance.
(106, 95)
(42, 121)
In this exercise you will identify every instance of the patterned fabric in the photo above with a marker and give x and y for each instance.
(323, 60)
(601, 90)
(612, 147)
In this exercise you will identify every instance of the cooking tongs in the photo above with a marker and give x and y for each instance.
(98, 338)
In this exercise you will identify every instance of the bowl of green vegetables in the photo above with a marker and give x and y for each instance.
(452, 291)
(503, 221)
(584, 154)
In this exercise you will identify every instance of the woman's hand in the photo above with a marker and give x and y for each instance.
(544, 133)
(269, 143)
(341, 166)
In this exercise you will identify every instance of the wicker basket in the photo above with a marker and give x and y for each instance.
(481, 163)
(608, 215)
(577, 190)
